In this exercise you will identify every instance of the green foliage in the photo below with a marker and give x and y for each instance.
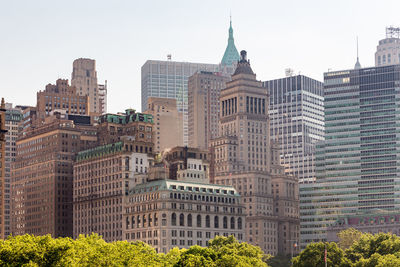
(366, 250)
(279, 261)
(314, 255)
(29, 250)
(348, 237)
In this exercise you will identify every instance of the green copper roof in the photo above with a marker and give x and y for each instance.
(231, 54)
(130, 116)
(99, 151)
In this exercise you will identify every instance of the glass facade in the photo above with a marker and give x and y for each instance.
(296, 113)
(169, 79)
(357, 166)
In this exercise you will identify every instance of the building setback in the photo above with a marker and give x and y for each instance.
(245, 159)
(41, 183)
(168, 123)
(357, 163)
(61, 96)
(296, 112)
(203, 111)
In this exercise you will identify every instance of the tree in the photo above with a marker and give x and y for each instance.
(348, 237)
(314, 255)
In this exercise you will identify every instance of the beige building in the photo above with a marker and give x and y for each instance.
(84, 78)
(168, 122)
(60, 96)
(245, 159)
(203, 107)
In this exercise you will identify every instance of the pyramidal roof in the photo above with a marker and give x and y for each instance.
(231, 54)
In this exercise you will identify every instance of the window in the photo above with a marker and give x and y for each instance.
(189, 220)
(239, 222)
(199, 220)
(225, 222)
(181, 220)
(216, 222)
(208, 221)
(173, 219)
(232, 223)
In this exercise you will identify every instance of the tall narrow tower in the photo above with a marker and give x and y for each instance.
(2, 164)
(244, 157)
(231, 55)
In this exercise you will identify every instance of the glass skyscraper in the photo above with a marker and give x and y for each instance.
(358, 163)
(296, 112)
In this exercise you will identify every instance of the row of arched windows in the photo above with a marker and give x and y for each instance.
(189, 221)
(141, 220)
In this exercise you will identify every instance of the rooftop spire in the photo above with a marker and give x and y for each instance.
(231, 54)
(357, 65)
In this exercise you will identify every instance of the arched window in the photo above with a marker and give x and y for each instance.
(138, 221)
(208, 221)
(232, 223)
(216, 222)
(133, 221)
(199, 220)
(181, 220)
(189, 220)
(127, 222)
(173, 219)
(240, 223)
(225, 222)
(144, 220)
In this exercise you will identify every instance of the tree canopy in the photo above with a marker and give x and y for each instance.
(366, 250)
(30, 250)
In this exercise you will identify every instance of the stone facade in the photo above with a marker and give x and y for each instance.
(203, 109)
(245, 159)
(3, 132)
(168, 123)
(167, 214)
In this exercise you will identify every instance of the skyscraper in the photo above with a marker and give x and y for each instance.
(245, 158)
(204, 91)
(388, 50)
(84, 78)
(296, 112)
(3, 132)
(356, 165)
(13, 127)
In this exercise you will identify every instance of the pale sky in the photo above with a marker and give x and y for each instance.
(40, 39)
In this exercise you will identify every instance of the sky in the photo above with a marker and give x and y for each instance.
(40, 39)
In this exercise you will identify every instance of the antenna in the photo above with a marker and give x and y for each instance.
(357, 48)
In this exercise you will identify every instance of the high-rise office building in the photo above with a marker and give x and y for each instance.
(296, 112)
(204, 91)
(169, 79)
(356, 165)
(168, 123)
(13, 127)
(84, 78)
(388, 50)
(245, 158)
(41, 180)
(3, 132)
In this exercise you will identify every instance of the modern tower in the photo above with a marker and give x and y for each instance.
(245, 158)
(296, 112)
(84, 78)
(388, 50)
(356, 165)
